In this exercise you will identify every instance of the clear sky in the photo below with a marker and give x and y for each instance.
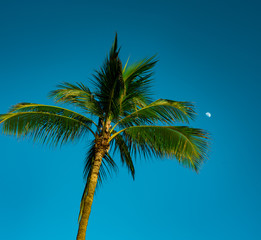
(209, 53)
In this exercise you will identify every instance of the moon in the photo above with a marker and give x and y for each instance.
(208, 114)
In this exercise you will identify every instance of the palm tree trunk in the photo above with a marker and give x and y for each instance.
(89, 197)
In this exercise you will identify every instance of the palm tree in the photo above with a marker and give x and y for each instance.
(122, 117)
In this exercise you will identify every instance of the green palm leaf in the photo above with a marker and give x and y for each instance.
(140, 70)
(109, 83)
(188, 145)
(77, 94)
(162, 110)
(137, 84)
(125, 155)
(47, 124)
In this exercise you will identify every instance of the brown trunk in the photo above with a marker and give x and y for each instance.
(101, 147)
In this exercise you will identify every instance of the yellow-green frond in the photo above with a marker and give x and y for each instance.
(47, 124)
(188, 145)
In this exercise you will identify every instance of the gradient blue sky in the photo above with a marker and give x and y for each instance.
(209, 53)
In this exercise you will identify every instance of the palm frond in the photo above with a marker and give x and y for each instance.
(47, 124)
(109, 83)
(162, 110)
(188, 145)
(141, 69)
(124, 149)
(137, 81)
(77, 94)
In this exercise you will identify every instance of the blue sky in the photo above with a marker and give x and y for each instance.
(209, 54)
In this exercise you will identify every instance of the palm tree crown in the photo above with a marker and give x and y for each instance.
(122, 117)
